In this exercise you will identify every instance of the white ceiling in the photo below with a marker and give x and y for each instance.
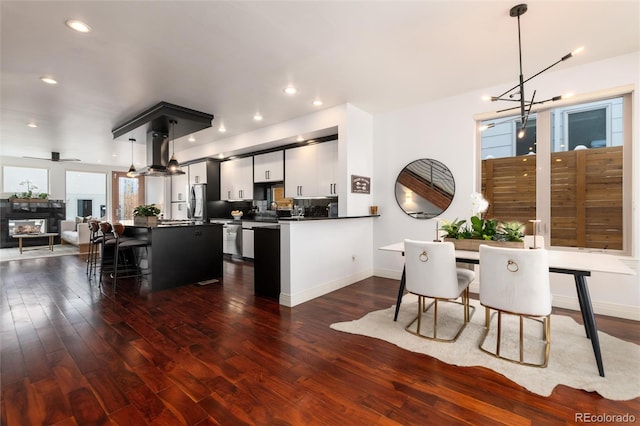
(234, 58)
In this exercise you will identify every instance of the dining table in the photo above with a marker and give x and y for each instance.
(580, 264)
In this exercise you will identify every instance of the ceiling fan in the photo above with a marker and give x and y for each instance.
(55, 156)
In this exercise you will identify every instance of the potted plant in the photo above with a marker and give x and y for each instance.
(454, 230)
(511, 231)
(146, 215)
(482, 231)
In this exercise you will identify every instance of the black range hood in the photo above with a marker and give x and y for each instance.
(155, 123)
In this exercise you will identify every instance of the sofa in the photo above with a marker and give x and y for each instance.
(75, 232)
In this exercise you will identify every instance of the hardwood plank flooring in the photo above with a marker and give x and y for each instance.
(218, 355)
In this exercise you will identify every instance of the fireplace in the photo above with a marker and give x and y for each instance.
(29, 217)
(27, 226)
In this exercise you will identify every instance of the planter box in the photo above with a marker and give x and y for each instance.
(145, 221)
(473, 245)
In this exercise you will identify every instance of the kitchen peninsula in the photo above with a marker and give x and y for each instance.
(321, 255)
(181, 253)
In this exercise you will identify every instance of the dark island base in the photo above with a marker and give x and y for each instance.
(181, 255)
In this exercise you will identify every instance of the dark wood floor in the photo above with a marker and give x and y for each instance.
(216, 354)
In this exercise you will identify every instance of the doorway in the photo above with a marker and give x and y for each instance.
(127, 193)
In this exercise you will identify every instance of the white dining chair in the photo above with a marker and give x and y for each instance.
(431, 272)
(515, 282)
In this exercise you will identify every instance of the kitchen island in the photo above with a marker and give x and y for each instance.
(181, 253)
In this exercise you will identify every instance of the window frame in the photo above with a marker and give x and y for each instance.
(544, 151)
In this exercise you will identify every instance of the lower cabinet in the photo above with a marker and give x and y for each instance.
(266, 263)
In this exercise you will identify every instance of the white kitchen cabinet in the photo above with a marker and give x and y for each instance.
(198, 172)
(301, 171)
(236, 179)
(312, 170)
(327, 168)
(268, 167)
(179, 211)
(179, 187)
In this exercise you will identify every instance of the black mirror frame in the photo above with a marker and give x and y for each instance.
(442, 194)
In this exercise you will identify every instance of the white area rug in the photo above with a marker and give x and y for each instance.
(571, 360)
(8, 254)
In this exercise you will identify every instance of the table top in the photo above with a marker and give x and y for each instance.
(45, 234)
(559, 259)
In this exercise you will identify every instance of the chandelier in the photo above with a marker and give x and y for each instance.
(517, 93)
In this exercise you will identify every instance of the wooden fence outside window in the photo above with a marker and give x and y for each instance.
(586, 195)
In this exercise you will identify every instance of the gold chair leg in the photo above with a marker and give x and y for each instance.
(546, 331)
(499, 332)
(521, 339)
(435, 319)
(420, 305)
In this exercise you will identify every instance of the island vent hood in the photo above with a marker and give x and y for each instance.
(153, 126)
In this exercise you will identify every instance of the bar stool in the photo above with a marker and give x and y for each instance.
(107, 243)
(126, 262)
(95, 240)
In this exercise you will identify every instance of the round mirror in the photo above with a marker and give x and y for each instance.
(425, 188)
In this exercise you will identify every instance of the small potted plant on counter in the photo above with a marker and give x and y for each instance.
(146, 215)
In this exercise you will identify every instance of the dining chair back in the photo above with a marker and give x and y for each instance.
(431, 272)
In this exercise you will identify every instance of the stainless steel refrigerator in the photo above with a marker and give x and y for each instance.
(197, 205)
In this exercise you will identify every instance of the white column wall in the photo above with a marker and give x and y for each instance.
(320, 256)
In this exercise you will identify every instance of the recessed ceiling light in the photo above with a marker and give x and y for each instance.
(191, 139)
(257, 116)
(32, 125)
(300, 138)
(114, 155)
(78, 26)
(317, 102)
(222, 129)
(290, 90)
(48, 80)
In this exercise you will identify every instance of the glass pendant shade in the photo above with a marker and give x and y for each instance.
(173, 164)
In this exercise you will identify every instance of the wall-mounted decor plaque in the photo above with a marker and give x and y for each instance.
(360, 184)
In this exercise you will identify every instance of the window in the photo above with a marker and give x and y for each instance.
(86, 194)
(570, 173)
(20, 180)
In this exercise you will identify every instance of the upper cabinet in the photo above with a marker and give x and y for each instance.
(207, 172)
(268, 167)
(236, 179)
(179, 188)
(327, 162)
(312, 170)
(198, 172)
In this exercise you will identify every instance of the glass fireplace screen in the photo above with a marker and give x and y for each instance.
(27, 226)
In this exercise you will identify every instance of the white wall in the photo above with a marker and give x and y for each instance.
(445, 130)
(320, 256)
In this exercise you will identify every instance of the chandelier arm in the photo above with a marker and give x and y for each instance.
(528, 103)
(525, 117)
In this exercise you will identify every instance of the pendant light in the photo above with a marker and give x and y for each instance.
(516, 93)
(132, 170)
(174, 166)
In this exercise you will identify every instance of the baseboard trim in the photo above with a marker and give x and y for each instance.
(292, 300)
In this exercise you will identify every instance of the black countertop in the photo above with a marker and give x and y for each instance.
(301, 219)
